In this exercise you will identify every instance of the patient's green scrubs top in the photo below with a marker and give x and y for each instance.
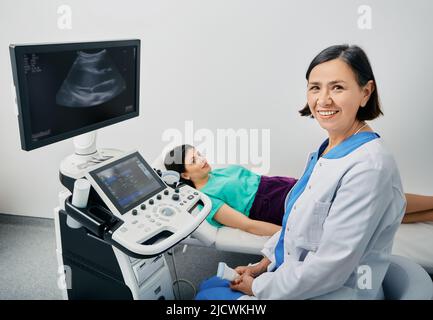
(235, 186)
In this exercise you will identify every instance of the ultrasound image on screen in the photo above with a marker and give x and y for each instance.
(128, 182)
(69, 90)
(92, 80)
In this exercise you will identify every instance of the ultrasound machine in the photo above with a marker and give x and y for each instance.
(112, 247)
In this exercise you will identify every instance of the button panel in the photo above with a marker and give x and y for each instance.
(163, 211)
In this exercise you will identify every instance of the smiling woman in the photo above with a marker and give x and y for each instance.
(341, 92)
(344, 211)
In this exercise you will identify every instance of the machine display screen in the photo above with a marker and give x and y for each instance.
(68, 89)
(128, 182)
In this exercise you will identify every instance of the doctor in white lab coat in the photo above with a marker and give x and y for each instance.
(342, 214)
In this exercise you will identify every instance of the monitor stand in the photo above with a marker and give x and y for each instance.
(85, 156)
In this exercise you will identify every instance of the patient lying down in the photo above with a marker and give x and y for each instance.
(245, 200)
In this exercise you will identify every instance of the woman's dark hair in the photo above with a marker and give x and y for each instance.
(175, 160)
(357, 60)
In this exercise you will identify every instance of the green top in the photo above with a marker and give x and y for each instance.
(234, 186)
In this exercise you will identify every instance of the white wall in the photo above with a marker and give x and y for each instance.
(227, 64)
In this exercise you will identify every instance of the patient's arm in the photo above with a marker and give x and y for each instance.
(419, 208)
(230, 217)
(425, 216)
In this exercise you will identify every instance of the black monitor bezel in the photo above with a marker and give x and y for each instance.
(17, 51)
(122, 210)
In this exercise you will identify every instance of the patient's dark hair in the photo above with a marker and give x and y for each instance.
(175, 160)
(358, 61)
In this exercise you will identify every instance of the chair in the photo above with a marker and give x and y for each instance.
(406, 280)
(414, 241)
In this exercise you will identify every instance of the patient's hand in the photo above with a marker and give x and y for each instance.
(244, 284)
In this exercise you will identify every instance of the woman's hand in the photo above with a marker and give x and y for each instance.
(254, 270)
(244, 284)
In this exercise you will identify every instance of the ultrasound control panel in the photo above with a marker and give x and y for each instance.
(155, 217)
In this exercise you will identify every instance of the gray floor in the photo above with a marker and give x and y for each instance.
(199, 263)
(28, 265)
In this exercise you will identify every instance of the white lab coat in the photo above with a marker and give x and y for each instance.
(343, 223)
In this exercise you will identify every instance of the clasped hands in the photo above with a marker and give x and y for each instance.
(244, 283)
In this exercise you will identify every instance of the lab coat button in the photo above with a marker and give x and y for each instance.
(309, 187)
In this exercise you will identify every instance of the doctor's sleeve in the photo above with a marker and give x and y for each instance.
(359, 204)
(269, 248)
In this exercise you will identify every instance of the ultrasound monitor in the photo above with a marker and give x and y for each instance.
(68, 89)
(128, 181)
